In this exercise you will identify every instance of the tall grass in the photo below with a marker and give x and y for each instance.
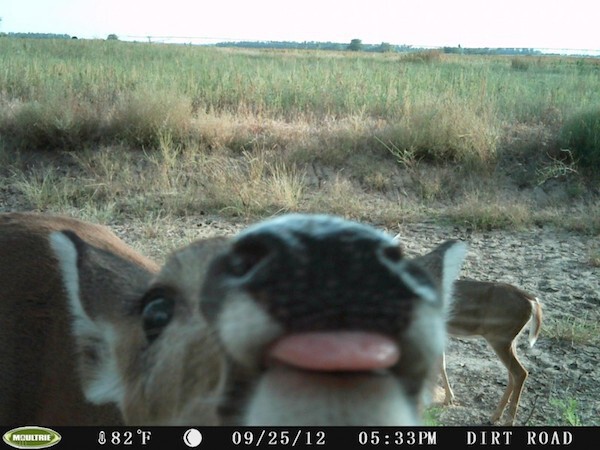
(69, 94)
(581, 134)
(185, 129)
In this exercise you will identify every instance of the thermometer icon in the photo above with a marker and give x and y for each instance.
(102, 438)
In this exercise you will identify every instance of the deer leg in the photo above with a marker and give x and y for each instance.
(449, 395)
(516, 380)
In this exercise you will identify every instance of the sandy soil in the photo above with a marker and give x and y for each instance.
(553, 265)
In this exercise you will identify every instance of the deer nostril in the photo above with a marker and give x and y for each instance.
(245, 256)
(393, 253)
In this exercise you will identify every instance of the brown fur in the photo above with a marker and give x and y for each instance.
(498, 312)
(37, 350)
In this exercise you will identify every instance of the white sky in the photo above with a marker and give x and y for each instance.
(562, 24)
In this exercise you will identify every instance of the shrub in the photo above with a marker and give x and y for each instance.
(443, 130)
(581, 135)
(141, 119)
(519, 64)
(37, 126)
(424, 56)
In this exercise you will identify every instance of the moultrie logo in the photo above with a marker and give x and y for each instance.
(31, 437)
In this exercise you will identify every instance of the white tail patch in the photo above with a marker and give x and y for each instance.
(533, 322)
(102, 383)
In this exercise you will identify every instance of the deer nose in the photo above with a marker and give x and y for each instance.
(321, 274)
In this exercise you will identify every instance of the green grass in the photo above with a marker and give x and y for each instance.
(72, 93)
(581, 135)
(568, 409)
(431, 416)
(188, 129)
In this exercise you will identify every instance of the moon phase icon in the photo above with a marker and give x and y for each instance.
(192, 437)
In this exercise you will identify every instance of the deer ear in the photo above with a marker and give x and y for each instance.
(444, 264)
(99, 286)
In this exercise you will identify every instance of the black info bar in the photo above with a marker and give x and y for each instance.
(222, 438)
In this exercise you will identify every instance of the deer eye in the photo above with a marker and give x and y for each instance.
(156, 315)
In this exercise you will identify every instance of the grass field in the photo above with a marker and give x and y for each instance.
(134, 129)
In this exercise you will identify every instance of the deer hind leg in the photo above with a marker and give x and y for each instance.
(449, 395)
(517, 374)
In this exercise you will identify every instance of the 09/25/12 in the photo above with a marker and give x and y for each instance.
(278, 437)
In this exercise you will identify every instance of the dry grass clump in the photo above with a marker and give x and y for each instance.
(44, 126)
(174, 181)
(252, 185)
(423, 56)
(140, 119)
(443, 130)
(136, 120)
(483, 210)
(576, 330)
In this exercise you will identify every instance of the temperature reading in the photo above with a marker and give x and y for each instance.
(117, 438)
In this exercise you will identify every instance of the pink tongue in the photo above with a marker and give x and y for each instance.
(336, 351)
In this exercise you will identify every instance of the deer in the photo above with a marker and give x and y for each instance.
(498, 312)
(296, 320)
(39, 380)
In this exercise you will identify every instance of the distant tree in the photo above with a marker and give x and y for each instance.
(355, 45)
(386, 47)
(112, 37)
(38, 36)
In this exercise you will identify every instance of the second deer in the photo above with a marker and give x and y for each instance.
(498, 312)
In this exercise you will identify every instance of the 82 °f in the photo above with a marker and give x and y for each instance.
(124, 438)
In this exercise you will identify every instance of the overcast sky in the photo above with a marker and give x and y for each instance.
(485, 23)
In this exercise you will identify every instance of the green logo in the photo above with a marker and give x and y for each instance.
(31, 437)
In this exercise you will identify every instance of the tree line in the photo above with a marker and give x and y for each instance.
(354, 45)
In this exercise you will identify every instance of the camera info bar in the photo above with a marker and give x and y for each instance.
(222, 438)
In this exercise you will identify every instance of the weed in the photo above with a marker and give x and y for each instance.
(568, 410)
(431, 416)
(45, 187)
(557, 168)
